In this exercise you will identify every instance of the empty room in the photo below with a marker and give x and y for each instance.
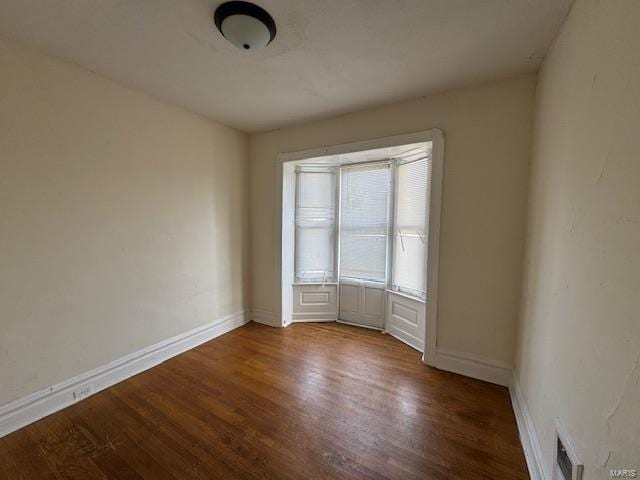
(320, 239)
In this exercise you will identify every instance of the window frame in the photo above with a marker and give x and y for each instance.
(390, 204)
(393, 286)
(390, 275)
(334, 171)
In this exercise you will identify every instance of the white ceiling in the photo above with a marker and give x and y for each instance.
(329, 56)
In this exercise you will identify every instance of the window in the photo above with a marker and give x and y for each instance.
(410, 229)
(364, 220)
(315, 218)
(375, 202)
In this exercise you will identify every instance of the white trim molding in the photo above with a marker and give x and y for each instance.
(264, 317)
(429, 356)
(359, 325)
(474, 366)
(313, 317)
(314, 302)
(42, 403)
(528, 435)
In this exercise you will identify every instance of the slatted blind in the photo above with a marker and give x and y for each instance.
(410, 235)
(315, 216)
(364, 217)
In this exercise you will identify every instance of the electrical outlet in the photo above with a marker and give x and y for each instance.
(82, 392)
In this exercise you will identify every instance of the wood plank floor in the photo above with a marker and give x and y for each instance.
(317, 401)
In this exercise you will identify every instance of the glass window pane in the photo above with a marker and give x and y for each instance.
(315, 225)
(364, 216)
(410, 236)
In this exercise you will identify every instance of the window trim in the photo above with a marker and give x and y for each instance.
(411, 293)
(282, 272)
(388, 259)
(316, 169)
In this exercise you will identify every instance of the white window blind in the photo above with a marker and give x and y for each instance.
(364, 217)
(410, 235)
(315, 218)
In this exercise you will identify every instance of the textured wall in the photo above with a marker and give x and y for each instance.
(123, 221)
(579, 348)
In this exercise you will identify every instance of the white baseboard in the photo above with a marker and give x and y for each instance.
(359, 325)
(474, 366)
(528, 435)
(313, 320)
(405, 337)
(35, 406)
(265, 317)
(314, 317)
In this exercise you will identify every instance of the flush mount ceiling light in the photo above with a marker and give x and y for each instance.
(244, 24)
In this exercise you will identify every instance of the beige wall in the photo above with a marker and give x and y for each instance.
(123, 221)
(579, 348)
(487, 149)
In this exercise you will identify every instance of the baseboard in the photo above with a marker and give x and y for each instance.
(358, 325)
(314, 317)
(474, 366)
(528, 435)
(265, 317)
(313, 320)
(35, 406)
(410, 340)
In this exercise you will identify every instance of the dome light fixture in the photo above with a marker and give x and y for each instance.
(245, 25)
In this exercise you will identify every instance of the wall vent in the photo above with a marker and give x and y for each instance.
(566, 464)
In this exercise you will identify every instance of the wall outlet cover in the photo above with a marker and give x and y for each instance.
(83, 392)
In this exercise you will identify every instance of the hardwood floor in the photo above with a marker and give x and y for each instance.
(310, 401)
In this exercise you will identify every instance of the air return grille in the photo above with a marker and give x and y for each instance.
(567, 466)
(564, 462)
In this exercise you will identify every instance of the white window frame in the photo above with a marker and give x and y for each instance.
(356, 281)
(336, 219)
(414, 294)
(282, 316)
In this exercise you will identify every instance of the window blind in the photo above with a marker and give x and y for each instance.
(315, 218)
(364, 217)
(410, 230)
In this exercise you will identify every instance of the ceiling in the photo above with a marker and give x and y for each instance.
(328, 58)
